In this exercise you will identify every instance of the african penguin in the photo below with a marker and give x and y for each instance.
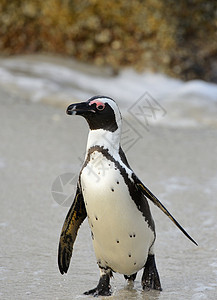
(115, 202)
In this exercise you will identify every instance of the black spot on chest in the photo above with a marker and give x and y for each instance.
(135, 193)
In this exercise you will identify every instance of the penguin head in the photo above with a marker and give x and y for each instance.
(101, 112)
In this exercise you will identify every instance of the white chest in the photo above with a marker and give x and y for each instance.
(121, 237)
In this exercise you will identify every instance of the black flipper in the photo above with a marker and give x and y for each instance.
(150, 277)
(103, 288)
(76, 215)
(157, 202)
(123, 157)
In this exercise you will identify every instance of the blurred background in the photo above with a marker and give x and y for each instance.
(158, 60)
(176, 38)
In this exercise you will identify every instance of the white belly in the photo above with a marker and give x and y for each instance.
(121, 237)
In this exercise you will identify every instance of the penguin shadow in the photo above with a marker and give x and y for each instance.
(133, 291)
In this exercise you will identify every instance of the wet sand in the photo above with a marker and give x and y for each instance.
(38, 143)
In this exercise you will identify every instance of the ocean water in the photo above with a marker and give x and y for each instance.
(58, 81)
(170, 139)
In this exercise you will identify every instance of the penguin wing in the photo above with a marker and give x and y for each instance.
(123, 157)
(76, 215)
(157, 202)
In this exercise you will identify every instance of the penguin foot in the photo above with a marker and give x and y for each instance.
(130, 277)
(150, 277)
(99, 292)
(103, 288)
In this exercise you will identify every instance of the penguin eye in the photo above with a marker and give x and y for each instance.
(100, 106)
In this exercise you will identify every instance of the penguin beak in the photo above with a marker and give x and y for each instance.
(79, 109)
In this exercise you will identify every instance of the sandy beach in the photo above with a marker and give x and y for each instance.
(39, 142)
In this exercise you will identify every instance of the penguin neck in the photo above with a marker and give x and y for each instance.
(106, 139)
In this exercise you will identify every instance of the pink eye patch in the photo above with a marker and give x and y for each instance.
(99, 105)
